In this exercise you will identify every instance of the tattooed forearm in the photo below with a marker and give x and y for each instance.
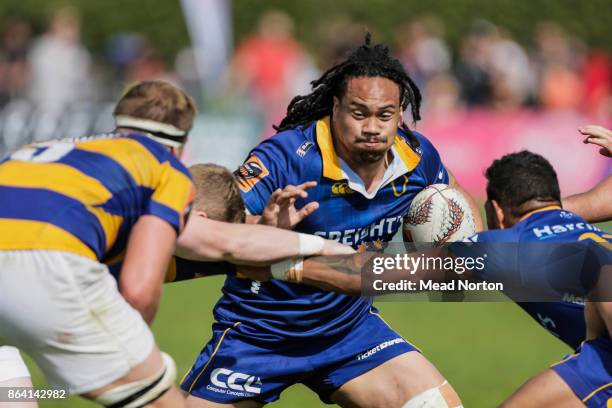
(345, 264)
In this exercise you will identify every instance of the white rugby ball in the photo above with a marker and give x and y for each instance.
(437, 215)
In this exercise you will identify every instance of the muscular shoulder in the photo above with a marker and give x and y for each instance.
(293, 150)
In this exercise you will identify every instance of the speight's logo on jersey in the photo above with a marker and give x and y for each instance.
(341, 188)
(382, 230)
(250, 173)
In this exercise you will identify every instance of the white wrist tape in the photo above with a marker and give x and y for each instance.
(290, 270)
(310, 244)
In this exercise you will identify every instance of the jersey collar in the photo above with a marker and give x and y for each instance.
(547, 208)
(332, 167)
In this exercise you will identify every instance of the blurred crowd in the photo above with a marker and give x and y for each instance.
(487, 68)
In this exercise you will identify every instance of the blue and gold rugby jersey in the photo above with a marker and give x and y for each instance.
(346, 213)
(84, 195)
(563, 319)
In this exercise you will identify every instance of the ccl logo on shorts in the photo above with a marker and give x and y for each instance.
(226, 380)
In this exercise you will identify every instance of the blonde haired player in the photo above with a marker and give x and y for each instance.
(69, 205)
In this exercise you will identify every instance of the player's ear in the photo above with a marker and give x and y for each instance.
(336, 105)
(499, 214)
(201, 213)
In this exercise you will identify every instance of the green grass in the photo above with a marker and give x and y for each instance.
(486, 350)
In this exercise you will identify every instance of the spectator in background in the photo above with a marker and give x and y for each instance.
(338, 35)
(271, 66)
(121, 49)
(472, 68)
(148, 65)
(427, 58)
(511, 78)
(14, 69)
(558, 59)
(597, 79)
(60, 64)
(422, 50)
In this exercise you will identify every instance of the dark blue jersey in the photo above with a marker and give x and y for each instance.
(541, 255)
(347, 213)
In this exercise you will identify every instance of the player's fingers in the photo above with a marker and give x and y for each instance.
(286, 197)
(599, 141)
(307, 185)
(307, 210)
(299, 190)
(292, 193)
(272, 201)
(595, 130)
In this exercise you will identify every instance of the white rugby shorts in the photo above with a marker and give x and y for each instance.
(11, 364)
(66, 312)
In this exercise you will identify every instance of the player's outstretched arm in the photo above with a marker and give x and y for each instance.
(206, 240)
(595, 205)
(148, 251)
(341, 273)
(349, 274)
(478, 224)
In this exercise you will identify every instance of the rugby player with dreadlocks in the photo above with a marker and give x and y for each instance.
(347, 138)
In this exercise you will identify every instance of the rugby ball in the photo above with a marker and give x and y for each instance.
(437, 215)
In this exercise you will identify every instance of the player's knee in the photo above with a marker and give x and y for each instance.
(443, 396)
(142, 392)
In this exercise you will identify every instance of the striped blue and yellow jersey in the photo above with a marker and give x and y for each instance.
(84, 195)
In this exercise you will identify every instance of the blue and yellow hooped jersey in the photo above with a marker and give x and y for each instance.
(347, 213)
(537, 232)
(84, 195)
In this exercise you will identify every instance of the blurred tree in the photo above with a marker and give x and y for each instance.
(162, 22)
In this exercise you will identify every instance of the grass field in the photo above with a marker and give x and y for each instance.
(485, 350)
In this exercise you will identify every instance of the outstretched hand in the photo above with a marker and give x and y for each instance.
(600, 136)
(280, 210)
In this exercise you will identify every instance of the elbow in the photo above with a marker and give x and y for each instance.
(143, 300)
(231, 248)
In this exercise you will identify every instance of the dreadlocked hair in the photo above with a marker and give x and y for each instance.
(365, 61)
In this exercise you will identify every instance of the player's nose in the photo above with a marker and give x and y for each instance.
(371, 126)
